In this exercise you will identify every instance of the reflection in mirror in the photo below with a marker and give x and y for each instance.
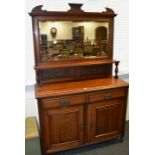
(67, 39)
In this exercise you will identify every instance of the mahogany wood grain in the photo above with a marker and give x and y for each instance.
(105, 119)
(75, 9)
(56, 102)
(74, 87)
(84, 111)
(62, 128)
(74, 14)
(74, 73)
(66, 63)
(102, 119)
(106, 95)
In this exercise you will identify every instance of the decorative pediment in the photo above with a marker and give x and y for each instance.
(38, 9)
(74, 9)
(108, 11)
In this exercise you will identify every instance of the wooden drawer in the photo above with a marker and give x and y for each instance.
(62, 101)
(106, 95)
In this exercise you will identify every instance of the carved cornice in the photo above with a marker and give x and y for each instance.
(74, 9)
(108, 11)
(38, 9)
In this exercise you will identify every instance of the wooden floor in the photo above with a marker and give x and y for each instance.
(113, 147)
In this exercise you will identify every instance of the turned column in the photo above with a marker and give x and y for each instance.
(116, 69)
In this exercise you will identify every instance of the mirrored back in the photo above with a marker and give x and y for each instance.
(73, 39)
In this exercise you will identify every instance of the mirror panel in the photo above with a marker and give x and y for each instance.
(73, 40)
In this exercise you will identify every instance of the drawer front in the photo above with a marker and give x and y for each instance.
(62, 101)
(106, 95)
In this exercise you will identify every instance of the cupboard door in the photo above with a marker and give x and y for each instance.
(105, 120)
(63, 128)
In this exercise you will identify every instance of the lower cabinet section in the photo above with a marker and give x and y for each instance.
(85, 120)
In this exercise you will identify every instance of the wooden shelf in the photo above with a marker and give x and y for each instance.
(65, 64)
(74, 87)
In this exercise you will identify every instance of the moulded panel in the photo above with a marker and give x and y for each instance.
(106, 119)
(62, 128)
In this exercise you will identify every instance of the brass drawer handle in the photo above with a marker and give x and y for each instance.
(64, 103)
(108, 96)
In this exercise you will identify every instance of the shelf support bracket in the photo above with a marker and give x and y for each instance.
(116, 69)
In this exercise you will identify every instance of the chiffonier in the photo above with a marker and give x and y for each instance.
(81, 100)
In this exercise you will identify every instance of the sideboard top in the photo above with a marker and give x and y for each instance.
(74, 87)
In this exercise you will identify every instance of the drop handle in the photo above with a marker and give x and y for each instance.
(108, 96)
(64, 103)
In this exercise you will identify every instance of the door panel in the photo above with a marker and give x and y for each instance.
(105, 119)
(61, 124)
(62, 128)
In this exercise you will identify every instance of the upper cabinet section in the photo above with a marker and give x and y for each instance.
(72, 35)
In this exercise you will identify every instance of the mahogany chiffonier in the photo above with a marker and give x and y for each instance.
(80, 102)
